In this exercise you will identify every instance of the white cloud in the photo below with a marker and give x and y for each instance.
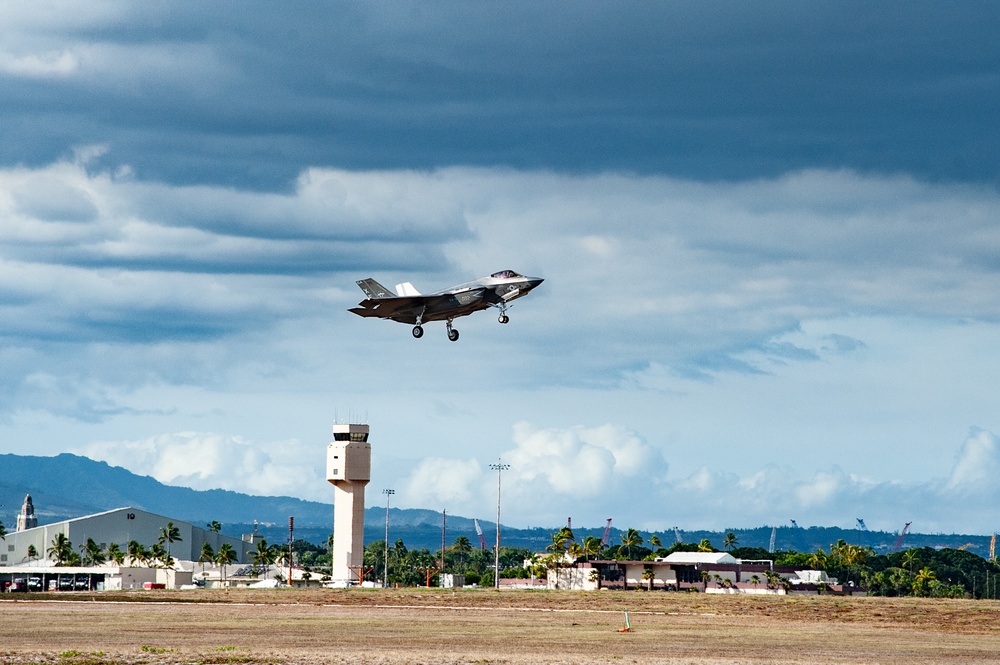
(204, 460)
(436, 482)
(721, 320)
(977, 465)
(39, 65)
(556, 473)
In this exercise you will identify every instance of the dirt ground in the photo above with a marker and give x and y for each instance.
(485, 626)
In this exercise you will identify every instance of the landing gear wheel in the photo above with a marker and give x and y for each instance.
(453, 335)
(418, 332)
(504, 318)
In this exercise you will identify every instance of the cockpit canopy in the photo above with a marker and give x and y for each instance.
(506, 274)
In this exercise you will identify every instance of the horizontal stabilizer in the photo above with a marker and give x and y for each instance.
(373, 289)
(406, 289)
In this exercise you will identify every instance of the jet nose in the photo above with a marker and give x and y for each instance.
(534, 281)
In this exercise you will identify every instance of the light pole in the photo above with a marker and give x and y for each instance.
(499, 467)
(388, 493)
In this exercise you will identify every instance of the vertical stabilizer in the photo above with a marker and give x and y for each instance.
(406, 289)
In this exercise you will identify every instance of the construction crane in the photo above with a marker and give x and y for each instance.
(899, 541)
(479, 532)
(794, 523)
(774, 535)
(677, 535)
(966, 546)
(607, 533)
(861, 524)
(993, 547)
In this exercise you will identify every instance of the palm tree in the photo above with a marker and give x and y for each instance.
(462, 547)
(225, 556)
(91, 552)
(730, 540)
(630, 537)
(61, 550)
(32, 552)
(116, 554)
(560, 540)
(158, 554)
(575, 550)
(705, 546)
(132, 550)
(592, 546)
(817, 560)
(207, 555)
(214, 526)
(922, 581)
(755, 580)
(262, 556)
(649, 576)
(909, 558)
(169, 534)
(654, 541)
(3, 531)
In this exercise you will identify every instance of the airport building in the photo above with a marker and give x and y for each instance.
(26, 554)
(121, 526)
(708, 572)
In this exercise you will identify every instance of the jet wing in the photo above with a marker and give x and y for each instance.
(387, 308)
(408, 309)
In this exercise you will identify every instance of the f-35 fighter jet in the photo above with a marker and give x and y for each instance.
(408, 305)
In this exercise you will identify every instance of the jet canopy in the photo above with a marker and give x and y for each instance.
(506, 274)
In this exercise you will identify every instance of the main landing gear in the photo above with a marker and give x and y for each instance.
(418, 332)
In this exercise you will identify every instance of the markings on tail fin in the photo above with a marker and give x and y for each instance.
(373, 289)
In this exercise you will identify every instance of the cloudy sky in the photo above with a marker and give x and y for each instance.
(769, 232)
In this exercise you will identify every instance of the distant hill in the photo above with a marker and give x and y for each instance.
(67, 486)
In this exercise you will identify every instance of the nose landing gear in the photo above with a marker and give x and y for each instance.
(452, 333)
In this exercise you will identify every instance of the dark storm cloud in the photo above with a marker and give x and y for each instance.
(250, 93)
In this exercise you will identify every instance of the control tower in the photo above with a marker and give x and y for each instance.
(348, 468)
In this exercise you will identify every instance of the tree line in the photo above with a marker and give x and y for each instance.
(923, 571)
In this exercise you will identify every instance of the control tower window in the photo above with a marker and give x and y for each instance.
(358, 437)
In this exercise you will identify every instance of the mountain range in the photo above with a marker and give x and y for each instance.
(68, 486)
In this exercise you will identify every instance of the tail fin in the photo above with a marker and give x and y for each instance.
(373, 289)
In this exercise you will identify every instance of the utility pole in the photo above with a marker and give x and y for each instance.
(499, 467)
(388, 493)
(444, 522)
(291, 543)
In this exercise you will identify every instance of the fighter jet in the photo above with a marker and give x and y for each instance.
(408, 305)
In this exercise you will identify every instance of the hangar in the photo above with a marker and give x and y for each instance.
(120, 526)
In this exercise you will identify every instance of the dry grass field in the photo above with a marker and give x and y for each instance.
(485, 626)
